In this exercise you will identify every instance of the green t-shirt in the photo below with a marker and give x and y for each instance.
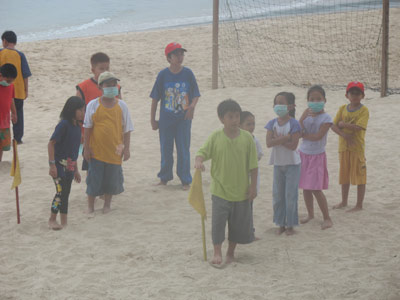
(231, 162)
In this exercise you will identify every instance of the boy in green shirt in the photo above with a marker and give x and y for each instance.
(233, 155)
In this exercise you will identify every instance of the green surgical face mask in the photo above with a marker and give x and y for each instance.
(4, 83)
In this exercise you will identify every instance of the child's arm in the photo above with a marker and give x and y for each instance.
(319, 135)
(77, 175)
(26, 84)
(190, 111)
(252, 193)
(198, 163)
(52, 162)
(346, 136)
(305, 114)
(349, 126)
(87, 153)
(154, 123)
(127, 142)
(14, 117)
(293, 142)
(274, 140)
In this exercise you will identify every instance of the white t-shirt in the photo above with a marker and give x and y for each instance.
(280, 155)
(312, 125)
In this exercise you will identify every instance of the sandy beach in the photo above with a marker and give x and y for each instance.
(149, 246)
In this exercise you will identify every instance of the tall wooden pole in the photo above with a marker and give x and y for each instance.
(385, 47)
(214, 76)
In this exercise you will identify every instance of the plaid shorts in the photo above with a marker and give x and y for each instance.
(5, 139)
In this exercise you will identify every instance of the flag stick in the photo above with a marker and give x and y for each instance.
(16, 188)
(204, 238)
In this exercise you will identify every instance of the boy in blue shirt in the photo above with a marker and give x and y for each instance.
(233, 156)
(176, 88)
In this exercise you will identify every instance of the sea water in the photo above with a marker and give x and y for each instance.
(35, 20)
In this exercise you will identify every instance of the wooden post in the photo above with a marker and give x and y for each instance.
(214, 75)
(385, 47)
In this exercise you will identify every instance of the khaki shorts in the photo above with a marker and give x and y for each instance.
(353, 168)
(5, 139)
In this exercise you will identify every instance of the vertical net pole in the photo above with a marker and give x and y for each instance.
(214, 76)
(385, 47)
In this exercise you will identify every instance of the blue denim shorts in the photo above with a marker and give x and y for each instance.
(104, 178)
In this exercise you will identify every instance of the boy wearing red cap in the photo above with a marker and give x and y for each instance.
(177, 91)
(350, 124)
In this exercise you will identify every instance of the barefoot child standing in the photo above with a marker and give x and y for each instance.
(108, 129)
(315, 124)
(233, 156)
(350, 124)
(63, 149)
(283, 135)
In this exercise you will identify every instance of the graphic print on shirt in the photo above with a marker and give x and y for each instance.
(176, 96)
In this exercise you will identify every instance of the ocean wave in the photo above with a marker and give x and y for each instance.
(64, 32)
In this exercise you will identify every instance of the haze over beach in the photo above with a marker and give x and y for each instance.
(149, 246)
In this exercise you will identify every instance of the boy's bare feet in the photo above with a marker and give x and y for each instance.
(256, 238)
(54, 225)
(185, 187)
(217, 260)
(280, 230)
(326, 224)
(106, 209)
(290, 231)
(161, 183)
(354, 209)
(340, 205)
(306, 220)
(229, 259)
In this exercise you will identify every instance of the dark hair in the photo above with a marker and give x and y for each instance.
(68, 112)
(228, 105)
(244, 115)
(99, 57)
(8, 71)
(315, 88)
(9, 36)
(290, 98)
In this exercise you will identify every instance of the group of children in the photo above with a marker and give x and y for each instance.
(233, 156)
(98, 112)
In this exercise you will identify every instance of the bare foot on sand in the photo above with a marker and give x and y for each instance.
(290, 231)
(326, 224)
(280, 230)
(185, 187)
(229, 259)
(340, 205)
(354, 209)
(54, 225)
(106, 210)
(217, 260)
(161, 183)
(306, 220)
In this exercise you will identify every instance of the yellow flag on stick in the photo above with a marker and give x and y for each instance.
(15, 170)
(196, 197)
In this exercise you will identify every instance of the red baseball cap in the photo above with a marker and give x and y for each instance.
(355, 84)
(173, 46)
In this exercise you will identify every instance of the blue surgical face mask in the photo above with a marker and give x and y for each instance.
(281, 110)
(110, 92)
(316, 106)
(4, 83)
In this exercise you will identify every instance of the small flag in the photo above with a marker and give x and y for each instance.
(196, 197)
(15, 170)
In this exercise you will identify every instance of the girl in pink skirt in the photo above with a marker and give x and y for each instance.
(315, 123)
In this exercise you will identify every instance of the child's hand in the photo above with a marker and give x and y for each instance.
(252, 193)
(341, 124)
(126, 154)
(14, 118)
(87, 153)
(199, 165)
(77, 176)
(154, 124)
(53, 171)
